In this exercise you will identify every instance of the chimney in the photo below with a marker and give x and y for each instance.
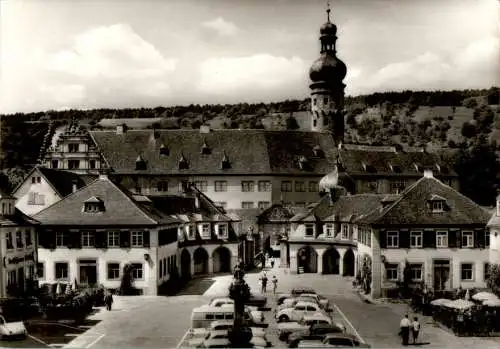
(336, 192)
(428, 173)
(74, 186)
(204, 129)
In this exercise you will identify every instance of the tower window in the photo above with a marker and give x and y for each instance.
(314, 100)
(315, 123)
(325, 100)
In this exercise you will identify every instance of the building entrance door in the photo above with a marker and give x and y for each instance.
(20, 279)
(442, 279)
(88, 271)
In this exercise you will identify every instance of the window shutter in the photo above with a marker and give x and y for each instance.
(100, 238)
(76, 239)
(404, 239)
(452, 238)
(125, 239)
(383, 239)
(458, 235)
(429, 239)
(145, 238)
(479, 239)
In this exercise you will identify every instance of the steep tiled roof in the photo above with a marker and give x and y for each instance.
(413, 207)
(344, 209)
(277, 213)
(18, 219)
(62, 181)
(120, 209)
(376, 162)
(248, 151)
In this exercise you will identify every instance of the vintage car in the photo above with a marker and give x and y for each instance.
(224, 325)
(301, 326)
(313, 298)
(334, 340)
(255, 300)
(298, 311)
(295, 292)
(315, 332)
(12, 329)
(224, 334)
(222, 301)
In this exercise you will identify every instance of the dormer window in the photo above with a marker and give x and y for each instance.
(140, 164)
(164, 150)
(303, 163)
(183, 164)
(190, 231)
(225, 164)
(318, 152)
(437, 203)
(310, 230)
(395, 168)
(222, 231)
(369, 168)
(205, 149)
(205, 230)
(93, 205)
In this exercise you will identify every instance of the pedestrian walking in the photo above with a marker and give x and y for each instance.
(415, 329)
(108, 299)
(404, 329)
(275, 283)
(263, 280)
(272, 263)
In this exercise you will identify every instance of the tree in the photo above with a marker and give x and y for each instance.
(468, 130)
(127, 281)
(493, 281)
(470, 103)
(291, 123)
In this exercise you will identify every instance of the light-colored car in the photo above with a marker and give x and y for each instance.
(12, 329)
(302, 326)
(299, 311)
(223, 334)
(337, 340)
(223, 301)
(224, 325)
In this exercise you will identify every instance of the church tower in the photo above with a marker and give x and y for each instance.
(327, 88)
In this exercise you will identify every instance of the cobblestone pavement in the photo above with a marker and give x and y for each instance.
(163, 322)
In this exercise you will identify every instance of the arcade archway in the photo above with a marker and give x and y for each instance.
(200, 257)
(307, 260)
(185, 264)
(222, 260)
(349, 263)
(331, 261)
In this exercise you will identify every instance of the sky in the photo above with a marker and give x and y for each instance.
(61, 54)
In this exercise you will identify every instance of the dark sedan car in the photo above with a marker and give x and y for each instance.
(257, 301)
(316, 332)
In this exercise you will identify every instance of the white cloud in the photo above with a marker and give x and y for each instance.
(65, 94)
(114, 51)
(476, 66)
(259, 74)
(222, 27)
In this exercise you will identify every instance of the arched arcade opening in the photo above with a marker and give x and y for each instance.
(307, 260)
(222, 260)
(200, 257)
(349, 263)
(331, 261)
(185, 264)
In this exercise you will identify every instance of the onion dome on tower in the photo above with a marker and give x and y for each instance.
(327, 88)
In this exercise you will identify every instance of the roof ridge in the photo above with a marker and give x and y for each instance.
(66, 197)
(126, 194)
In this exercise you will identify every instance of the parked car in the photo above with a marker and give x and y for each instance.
(257, 301)
(222, 301)
(225, 325)
(295, 292)
(315, 332)
(301, 326)
(313, 298)
(298, 311)
(12, 329)
(337, 340)
(222, 334)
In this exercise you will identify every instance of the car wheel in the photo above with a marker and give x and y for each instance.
(282, 337)
(283, 318)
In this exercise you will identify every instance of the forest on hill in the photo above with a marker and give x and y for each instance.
(467, 121)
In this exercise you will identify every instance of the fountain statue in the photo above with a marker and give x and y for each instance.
(241, 335)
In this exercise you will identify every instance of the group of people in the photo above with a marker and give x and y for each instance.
(263, 282)
(406, 327)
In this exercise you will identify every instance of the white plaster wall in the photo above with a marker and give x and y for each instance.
(22, 195)
(164, 252)
(494, 253)
(456, 256)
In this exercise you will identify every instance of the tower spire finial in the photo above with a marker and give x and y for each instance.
(328, 10)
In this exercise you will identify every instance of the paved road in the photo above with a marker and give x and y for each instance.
(162, 322)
